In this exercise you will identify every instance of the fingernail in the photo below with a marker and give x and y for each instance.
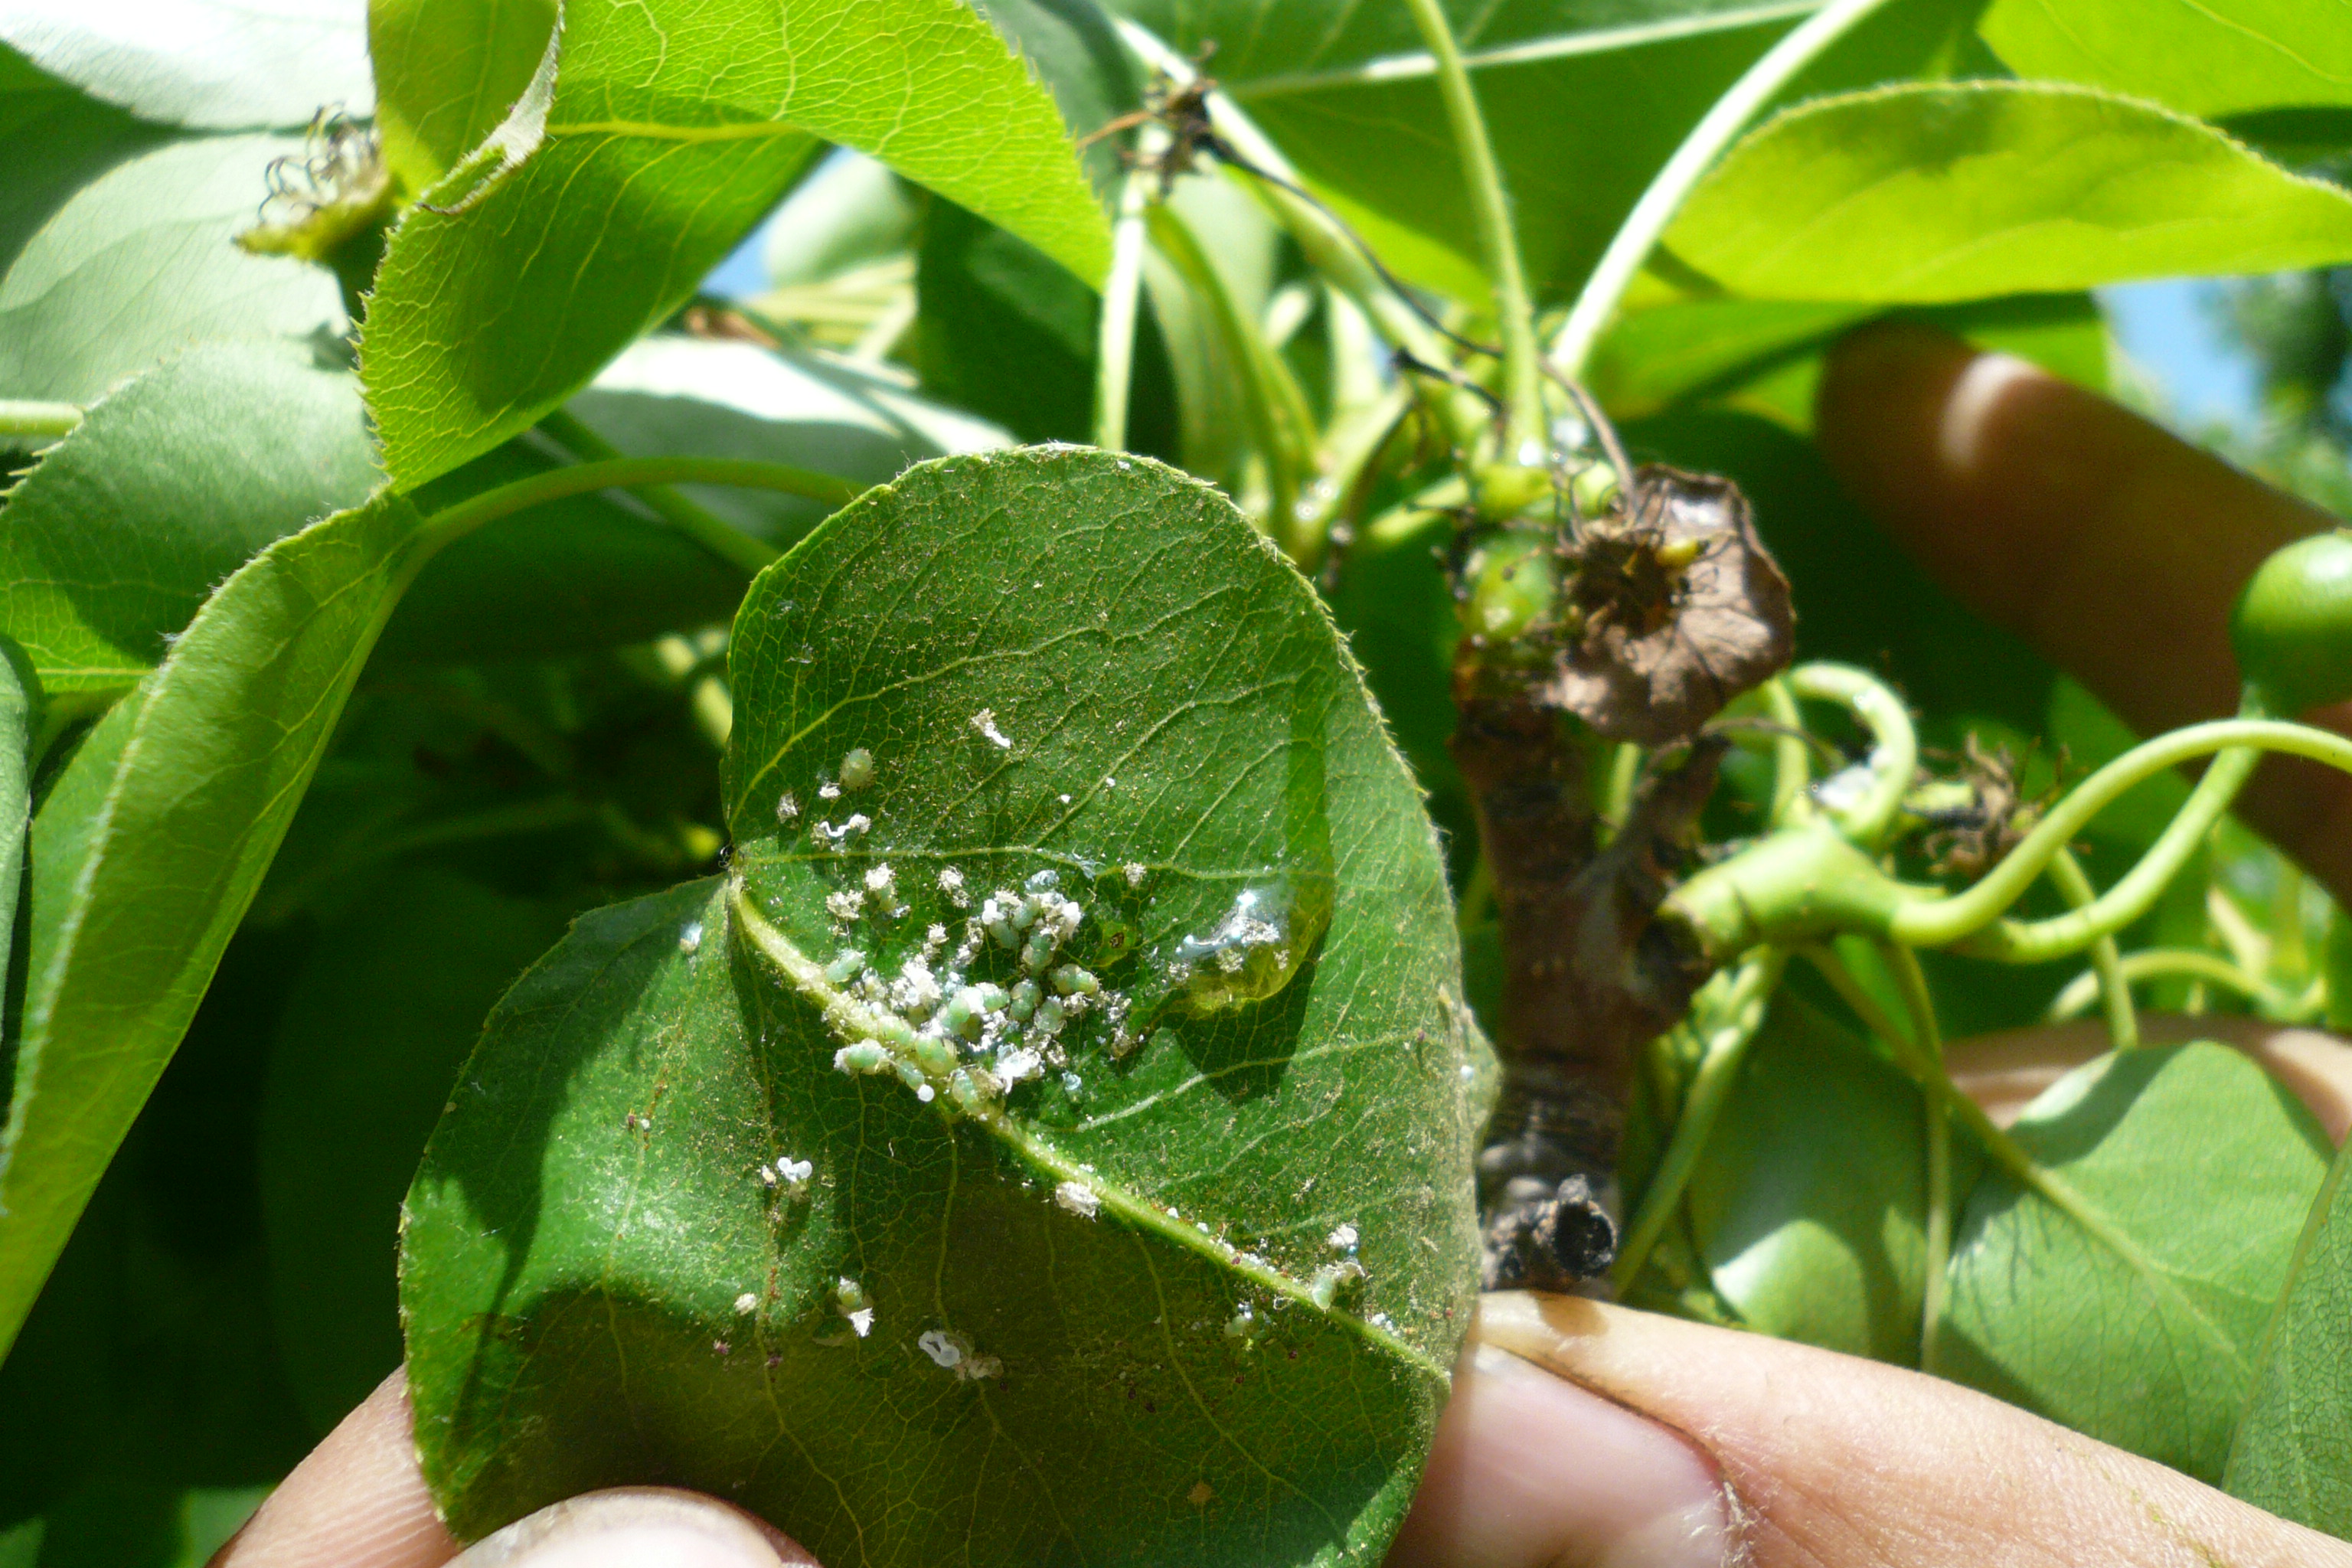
(637, 1527)
(1531, 1471)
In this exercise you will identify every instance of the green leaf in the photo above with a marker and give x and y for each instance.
(2201, 1167)
(592, 571)
(113, 277)
(146, 866)
(370, 1039)
(212, 64)
(2202, 57)
(1141, 700)
(2293, 1452)
(669, 132)
(1938, 192)
(20, 716)
(173, 482)
(1584, 102)
(447, 71)
(1808, 1206)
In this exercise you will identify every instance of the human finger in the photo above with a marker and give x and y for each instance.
(2005, 1070)
(2113, 547)
(1816, 1459)
(359, 1500)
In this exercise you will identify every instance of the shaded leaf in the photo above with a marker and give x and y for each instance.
(1129, 1382)
(670, 132)
(2203, 1167)
(140, 264)
(370, 1039)
(1938, 193)
(212, 64)
(109, 547)
(447, 71)
(149, 864)
(1807, 1207)
(2293, 1452)
(2202, 57)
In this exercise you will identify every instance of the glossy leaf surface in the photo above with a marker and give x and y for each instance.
(1936, 193)
(1140, 710)
(2293, 1452)
(2203, 1167)
(662, 136)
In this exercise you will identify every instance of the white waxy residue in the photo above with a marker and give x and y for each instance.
(985, 723)
(1078, 1198)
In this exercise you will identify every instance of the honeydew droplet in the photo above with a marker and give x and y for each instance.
(1255, 949)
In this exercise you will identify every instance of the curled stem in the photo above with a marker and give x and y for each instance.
(2180, 963)
(1726, 1046)
(1867, 819)
(2107, 964)
(1490, 208)
(1792, 766)
(1668, 188)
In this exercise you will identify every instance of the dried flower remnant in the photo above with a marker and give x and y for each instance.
(1673, 608)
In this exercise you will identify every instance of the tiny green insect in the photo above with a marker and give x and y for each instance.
(857, 769)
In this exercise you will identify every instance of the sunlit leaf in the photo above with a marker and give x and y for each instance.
(2204, 57)
(234, 65)
(645, 150)
(1938, 193)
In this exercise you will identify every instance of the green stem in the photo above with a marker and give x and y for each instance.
(1482, 178)
(1792, 764)
(698, 523)
(1617, 788)
(1272, 403)
(28, 418)
(1668, 188)
(1951, 922)
(1894, 747)
(1327, 247)
(626, 473)
(1741, 1016)
(2167, 962)
(2122, 1024)
(1122, 296)
(1936, 1223)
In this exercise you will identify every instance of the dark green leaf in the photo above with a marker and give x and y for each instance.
(147, 865)
(20, 721)
(2201, 1167)
(368, 1045)
(669, 133)
(1142, 700)
(172, 483)
(2293, 1452)
(2204, 57)
(447, 71)
(1938, 193)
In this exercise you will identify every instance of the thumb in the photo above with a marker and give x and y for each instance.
(1761, 1452)
(634, 1527)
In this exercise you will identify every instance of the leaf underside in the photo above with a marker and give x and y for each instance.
(1141, 1262)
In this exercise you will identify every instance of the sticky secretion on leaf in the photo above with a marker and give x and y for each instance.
(1111, 1058)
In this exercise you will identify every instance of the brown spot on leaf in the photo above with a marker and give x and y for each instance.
(1678, 608)
(1200, 1495)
